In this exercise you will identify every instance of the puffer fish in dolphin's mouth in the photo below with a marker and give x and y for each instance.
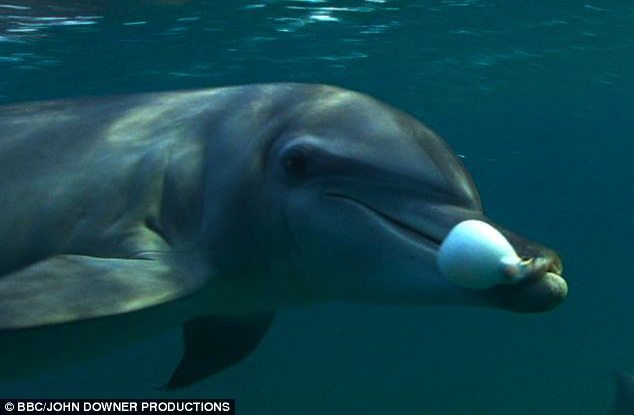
(475, 255)
(211, 209)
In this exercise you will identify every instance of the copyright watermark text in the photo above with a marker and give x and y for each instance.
(77, 406)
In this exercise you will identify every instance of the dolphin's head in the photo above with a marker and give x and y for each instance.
(365, 194)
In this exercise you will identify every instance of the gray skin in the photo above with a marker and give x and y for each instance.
(125, 216)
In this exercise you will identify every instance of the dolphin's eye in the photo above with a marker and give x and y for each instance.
(295, 165)
(295, 161)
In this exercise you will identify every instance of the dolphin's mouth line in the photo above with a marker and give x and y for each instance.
(406, 230)
(553, 266)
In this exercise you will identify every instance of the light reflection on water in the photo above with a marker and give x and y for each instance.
(457, 46)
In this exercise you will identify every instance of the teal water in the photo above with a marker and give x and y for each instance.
(537, 96)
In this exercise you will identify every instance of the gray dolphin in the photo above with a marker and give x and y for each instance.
(124, 216)
(624, 401)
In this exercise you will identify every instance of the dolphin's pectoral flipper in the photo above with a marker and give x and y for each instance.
(67, 288)
(214, 343)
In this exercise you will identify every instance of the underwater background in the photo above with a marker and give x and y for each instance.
(538, 99)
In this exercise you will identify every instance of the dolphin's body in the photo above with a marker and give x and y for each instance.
(624, 401)
(125, 216)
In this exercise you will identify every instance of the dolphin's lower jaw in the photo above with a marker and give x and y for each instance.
(531, 296)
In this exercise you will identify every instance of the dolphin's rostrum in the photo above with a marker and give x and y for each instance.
(123, 216)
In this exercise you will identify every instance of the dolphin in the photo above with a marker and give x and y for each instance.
(624, 401)
(210, 209)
